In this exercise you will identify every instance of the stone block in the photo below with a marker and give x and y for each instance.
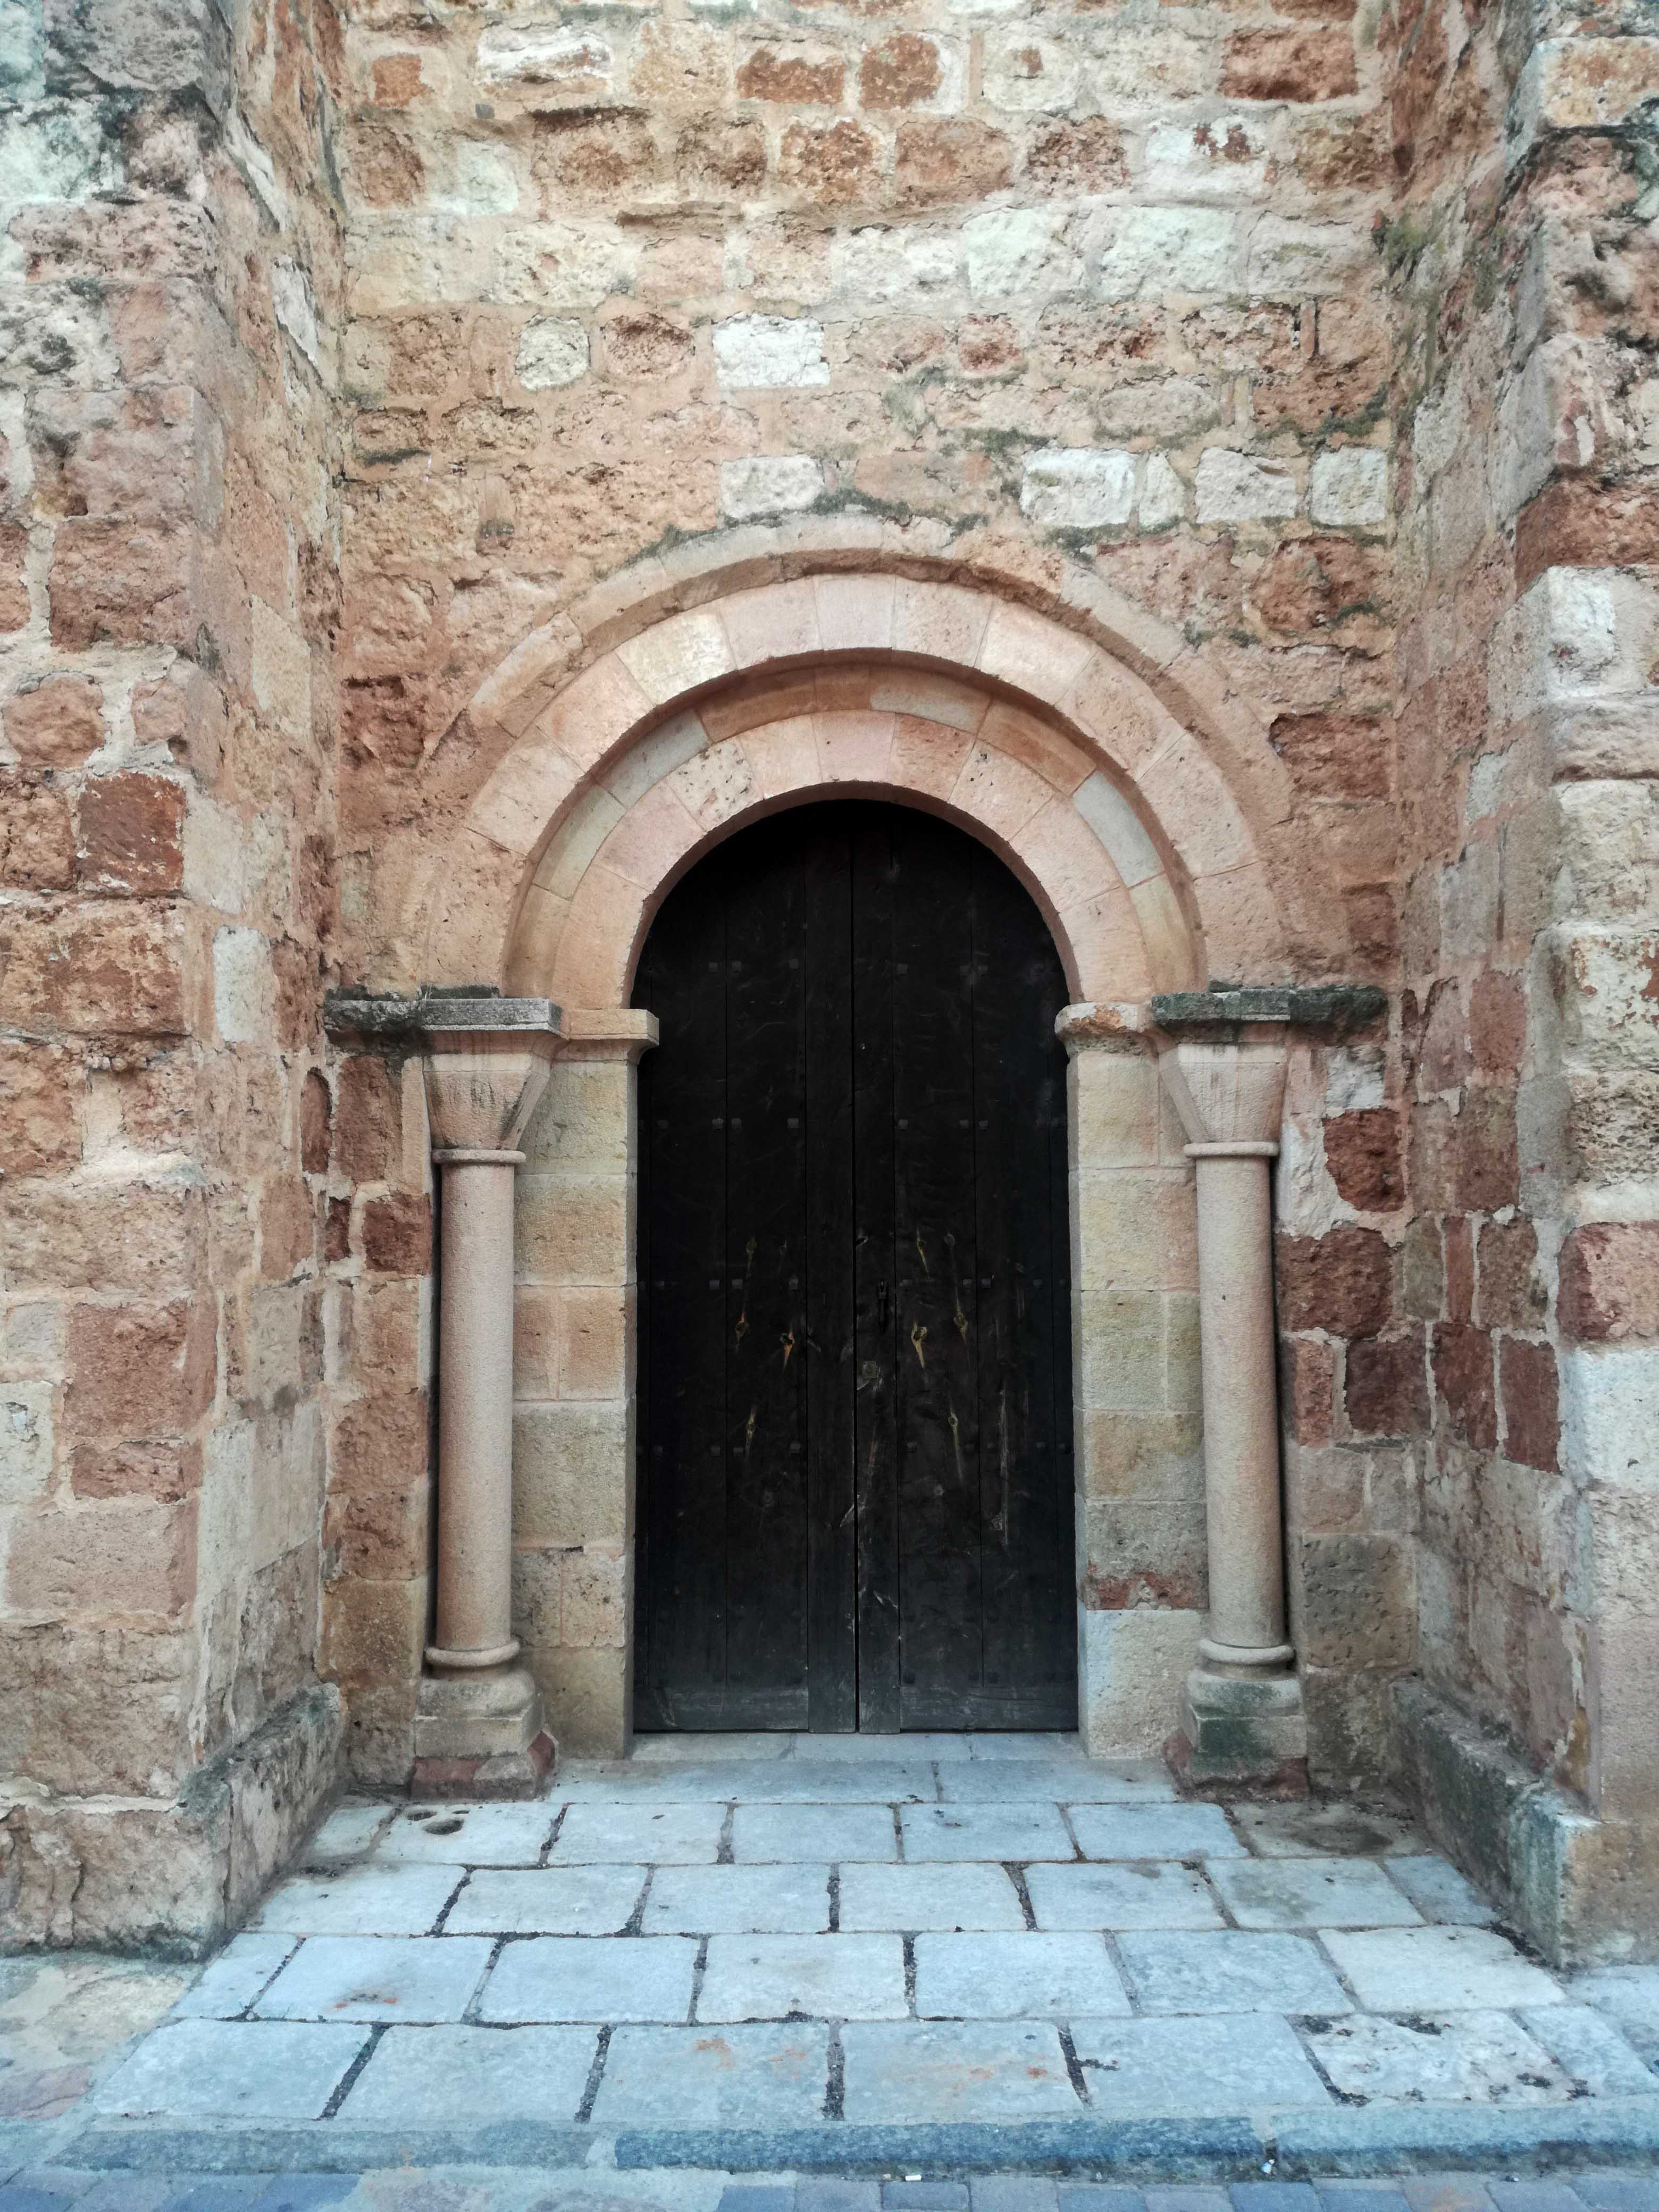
(943, 1897)
(139, 1371)
(791, 1899)
(767, 2077)
(1301, 65)
(1348, 489)
(761, 352)
(378, 1977)
(1358, 1605)
(780, 483)
(40, 1117)
(1147, 1893)
(572, 1475)
(591, 1977)
(1077, 487)
(1132, 1665)
(902, 2072)
(37, 843)
(1229, 1970)
(1342, 1282)
(449, 2075)
(118, 582)
(1235, 486)
(1609, 1283)
(100, 974)
(59, 723)
(552, 353)
(397, 1233)
(1385, 1387)
(589, 1699)
(199, 2069)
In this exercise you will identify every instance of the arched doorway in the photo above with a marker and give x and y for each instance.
(855, 1478)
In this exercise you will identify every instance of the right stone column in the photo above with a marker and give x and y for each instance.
(1223, 1062)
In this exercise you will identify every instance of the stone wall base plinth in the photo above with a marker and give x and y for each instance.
(481, 1735)
(1243, 1732)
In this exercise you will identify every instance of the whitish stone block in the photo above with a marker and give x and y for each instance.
(1437, 1970)
(1020, 1977)
(738, 1900)
(246, 2070)
(1077, 487)
(549, 1900)
(1010, 250)
(559, 265)
(1155, 1832)
(1349, 490)
(1162, 495)
(1303, 259)
(759, 352)
(1005, 1831)
(1160, 1894)
(482, 182)
(769, 484)
(1227, 155)
(1589, 2050)
(591, 1977)
(646, 1835)
(1480, 2058)
(1241, 488)
(279, 670)
(543, 54)
(244, 987)
(468, 1835)
(1440, 1893)
(1074, 1781)
(909, 2072)
(26, 1435)
(1132, 1663)
(1230, 1971)
(235, 1978)
(552, 351)
(772, 2077)
(880, 263)
(1558, 642)
(773, 1976)
(1176, 249)
(449, 2076)
(1630, 1996)
(295, 308)
(61, 152)
(1194, 2068)
(370, 1978)
(763, 1833)
(1311, 1893)
(361, 1900)
(915, 1897)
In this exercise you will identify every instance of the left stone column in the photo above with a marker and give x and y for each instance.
(479, 1731)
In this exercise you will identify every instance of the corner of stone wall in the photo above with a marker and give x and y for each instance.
(1584, 1890)
(124, 1873)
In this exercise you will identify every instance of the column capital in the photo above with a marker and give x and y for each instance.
(624, 1033)
(1223, 1054)
(485, 1059)
(1105, 1025)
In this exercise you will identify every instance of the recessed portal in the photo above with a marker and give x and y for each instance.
(855, 1483)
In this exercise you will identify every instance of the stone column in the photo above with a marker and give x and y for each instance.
(1223, 1062)
(478, 1722)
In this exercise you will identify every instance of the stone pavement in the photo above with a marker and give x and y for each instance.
(741, 1954)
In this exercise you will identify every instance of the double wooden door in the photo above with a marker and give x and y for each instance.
(855, 1405)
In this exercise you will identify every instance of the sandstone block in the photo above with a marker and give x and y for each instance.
(1462, 1364)
(117, 582)
(1307, 1384)
(1363, 1152)
(1335, 755)
(130, 833)
(1609, 1283)
(552, 352)
(909, 70)
(367, 1123)
(830, 164)
(795, 75)
(57, 724)
(1077, 487)
(1386, 1390)
(40, 1119)
(1530, 1388)
(1153, 250)
(1358, 1607)
(98, 1235)
(1342, 1282)
(1011, 251)
(131, 1558)
(139, 1371)
(758, 352)
(1296, 65)
(1162, 495)
(572, 1474)
(1234, 486)
(397, 1233)
(164, 1472)
(37, 839)
(778, 483)
(25, 1442)
(594, 1586)
(562, 61)
(1349, 490)
(949, 159)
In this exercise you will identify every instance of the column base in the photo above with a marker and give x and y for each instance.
(481, 1735)
(1243, 1732)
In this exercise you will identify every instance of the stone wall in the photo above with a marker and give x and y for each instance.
(167, 605)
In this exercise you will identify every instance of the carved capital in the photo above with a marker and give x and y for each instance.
(1105, 1026)
(486, 1062)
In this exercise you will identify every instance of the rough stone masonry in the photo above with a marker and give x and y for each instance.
(407, 406)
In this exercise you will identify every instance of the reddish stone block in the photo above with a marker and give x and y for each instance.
(57, 724)
(1342, 1282)
(40, 1124)
(1307, 1382)
(903, 71)
(1312, 586)
(381, 1443)
(1578, 522)
(129, 834)
(316, 1122)
(139, 1371)
(37, 839)
(14, 586)
(1385, 1388)
(1531, 1426)
(1459, 1241)
(1498, 1022)
(165, 1472)
(121, 583)
(1078, 156)
(336, 1235)
(1609, 1283)
(119, 973)
(1462, 1358)
(1510, 1294)
(1363, 1152)
(946, 158)
(1488, 1161)
(381, 1535)
(1335, 756)
(131, 1557)
(288, 1227)
(1301, 65)
(828, 164)
(367, 1123)
(397, 1234)
(788, 81)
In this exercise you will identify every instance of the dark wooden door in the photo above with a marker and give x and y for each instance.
(856, 1399)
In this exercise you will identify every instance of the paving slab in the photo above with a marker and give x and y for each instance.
(911, 2071)
(1194, 2068)
(1130, 1894)
(737, 1900)
(801, 1781)
(1022, 1744)
(233, 1980)
(445, 2076)
(1012, 1832)
(596, 1900)
(677, 1834)
(768, 2077)
(1296, 1893)
(1021, 1977)
(591, 1977)
(1438, 2057)
(1155, 1832)
(922, 1747)
(768, 1833)
(1070, 1782)
(1439, 1892)
(1325, 1828)
(1629, 1995)
(1590, 2048)
(1230, 1971)
(1437, 1969)
(938, 1896)
(775, 1976)
(346, 1833)
(704, 1747)
(361, 1900)
(372, 1977)
(265, 2069)
(468, 1835)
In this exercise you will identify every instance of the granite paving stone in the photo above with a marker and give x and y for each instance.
(468, 1835)
(705, 1747)
(774, 1976)
(1324, 1828)
(774, 2075)
(1437, 2057)
(855, 1750)
(1201, 2066)
(823, 2192)
(370, 1978)
(346, 1833)
(1020, 2192)
(1439, 1892)
(1274, 2196)
(1359, 2197)
(548, 1901)
(994, 1743)
(1510, 2194)
(902, 2072)
(1200, 2198)
(1012, 1832)
(639, 1835)
(447, 2076)
(361, 1900)
(591, 1977)
(1072, 1782)
(1630, 1997)
(1128, 1893)
(1619, 2192)
(1592, 2049)
(799, 1781)
(1023, 1976)
(1229, 1972)
(1154, 1831)
(737, 1900)
(763, 2197)
(1445, 2192)
(233, 1980)
(1311, 1893)
(263, 2069)
(1436, 1970)
(768, 1833)
(1098, 2196)
(937, 1896)
(924, 2196)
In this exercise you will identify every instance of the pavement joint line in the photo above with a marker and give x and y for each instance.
(835, 2088)
(1077, 1851)
(595, 2074)
(910, 1943)
(348, 2081)
(1015, 1870)
(449, 1905)
(898, 1833)
(1074, 2066)
(544, 1856)
(699, 1968)
(725, 1850)
(835, 1899)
